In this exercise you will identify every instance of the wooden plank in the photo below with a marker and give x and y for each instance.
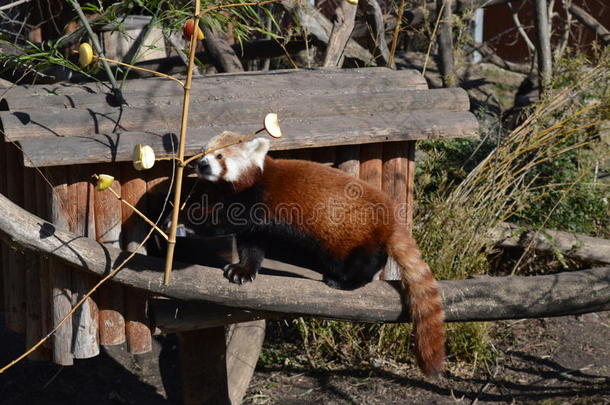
(371, 166)
(33, 291)
(59, 274)
(85, 342)
(244, 347)
(107, 211)
(171, 316)
(478, 299)
(320, 131)
(222, 87)
(160, 119)
(410, 184)
(134, 230)
(3, 246)
(14, 283)
(394, 184)
(42, 210)
(204, 367)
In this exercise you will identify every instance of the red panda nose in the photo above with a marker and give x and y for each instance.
(203, 167)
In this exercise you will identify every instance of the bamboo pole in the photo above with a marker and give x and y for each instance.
(171, 242)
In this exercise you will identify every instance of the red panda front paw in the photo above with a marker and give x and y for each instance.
(238, 274)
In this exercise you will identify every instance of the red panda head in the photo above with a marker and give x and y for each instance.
(235, 163)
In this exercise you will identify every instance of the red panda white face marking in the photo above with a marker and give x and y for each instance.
(231, 163)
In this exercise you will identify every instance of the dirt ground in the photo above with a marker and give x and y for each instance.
(545, 361)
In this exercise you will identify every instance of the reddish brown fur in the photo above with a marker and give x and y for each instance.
(307, 195)
(308, 184)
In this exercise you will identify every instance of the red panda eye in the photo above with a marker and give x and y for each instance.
(219, 156)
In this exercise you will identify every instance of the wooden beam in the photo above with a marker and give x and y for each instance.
(218, 87)
(322, 131)
(161, 119)
(477, 299)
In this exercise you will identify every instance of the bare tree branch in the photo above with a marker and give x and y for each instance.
(572, 245)
(13, 4)
(588, 21)
(543, 45)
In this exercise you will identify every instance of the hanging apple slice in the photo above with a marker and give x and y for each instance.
(104, 181)
(143, 157)
(272, 125)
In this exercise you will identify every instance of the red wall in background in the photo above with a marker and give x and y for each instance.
(499, 27)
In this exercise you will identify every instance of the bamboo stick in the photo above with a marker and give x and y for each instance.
(171, 242)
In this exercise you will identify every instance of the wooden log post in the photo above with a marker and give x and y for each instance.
(107, 212)
(59, 274)
(204, 381)
(42, 210)
(14, 283)
(394, 183)
(133, 191)
(85, 321)
(33, 291)
(371, 166)
(3, 247)
(243, 348)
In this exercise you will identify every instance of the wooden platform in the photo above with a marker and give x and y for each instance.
(363, 121)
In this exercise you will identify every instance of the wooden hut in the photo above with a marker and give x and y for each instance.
(55, 137)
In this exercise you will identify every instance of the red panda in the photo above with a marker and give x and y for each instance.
(346, 226)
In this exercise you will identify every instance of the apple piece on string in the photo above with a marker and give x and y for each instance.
(103, 182)
(143, 157)
(272, 125)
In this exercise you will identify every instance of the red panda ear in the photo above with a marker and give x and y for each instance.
(258, 148)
